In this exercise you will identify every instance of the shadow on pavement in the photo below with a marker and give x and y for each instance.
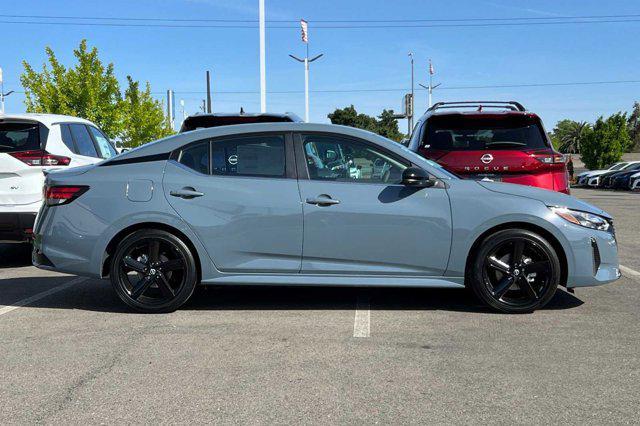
(15, 255)
(98, 295)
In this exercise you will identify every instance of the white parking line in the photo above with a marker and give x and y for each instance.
(362, 321)
(36, 297)
(629, 272)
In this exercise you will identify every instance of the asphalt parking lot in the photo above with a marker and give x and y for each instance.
(71, 353)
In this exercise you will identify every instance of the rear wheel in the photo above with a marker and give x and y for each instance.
(153, 271)
(515, 271)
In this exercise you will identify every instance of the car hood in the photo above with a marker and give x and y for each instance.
(595, 173)
(550, 198)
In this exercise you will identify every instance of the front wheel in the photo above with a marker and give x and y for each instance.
(515, 271)
(153, 271)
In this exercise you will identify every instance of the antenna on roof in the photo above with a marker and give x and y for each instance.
(241, 111)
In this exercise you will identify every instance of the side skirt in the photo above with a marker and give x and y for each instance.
(337, 280)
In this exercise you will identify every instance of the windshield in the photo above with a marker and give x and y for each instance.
(617, 166)
(479, 133)
(16, 137)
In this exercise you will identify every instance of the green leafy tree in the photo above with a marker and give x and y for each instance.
(143, 116)
(385, 125)
(89, 90)
(388, 126)
(633, 123)
(606, 143)
(568, 135)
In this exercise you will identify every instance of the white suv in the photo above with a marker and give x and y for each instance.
(31, 144)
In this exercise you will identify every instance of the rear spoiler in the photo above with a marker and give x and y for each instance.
(479, 105)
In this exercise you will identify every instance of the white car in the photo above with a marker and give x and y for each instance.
(583, 178)
(594, 178)
(30, 144)
(634, 182)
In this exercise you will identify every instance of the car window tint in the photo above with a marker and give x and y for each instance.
(261, 155)
(342, 159)
(16, 137)
(83, 140)
(106, 150)
(196, 157)
(66, 137)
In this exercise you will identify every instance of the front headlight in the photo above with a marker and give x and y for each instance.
(585, 219)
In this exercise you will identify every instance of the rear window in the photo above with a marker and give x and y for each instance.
(206, 121)
(479, 133)
(15, 137)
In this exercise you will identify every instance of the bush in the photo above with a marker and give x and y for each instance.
(606, 142)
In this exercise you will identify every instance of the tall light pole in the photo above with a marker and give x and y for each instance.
(306, 62)
(263, 68)
(431, 85)
(412, 102)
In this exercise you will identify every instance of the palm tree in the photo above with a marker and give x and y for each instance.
(570, 135)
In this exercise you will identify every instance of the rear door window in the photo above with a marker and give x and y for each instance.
(83, 140)
(196, 157)
(15, 137)
(260, 155)
(478, 133)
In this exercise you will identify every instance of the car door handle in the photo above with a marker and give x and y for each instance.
(323, 200)
(186, 193)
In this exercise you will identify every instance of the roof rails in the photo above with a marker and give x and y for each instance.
(479, 105)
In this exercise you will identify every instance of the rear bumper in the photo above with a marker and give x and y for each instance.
(16, 227)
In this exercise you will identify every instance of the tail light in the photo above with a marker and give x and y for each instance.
(41, 158)
(58, 195)
(549, 157)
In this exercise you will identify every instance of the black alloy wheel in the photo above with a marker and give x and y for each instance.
(516, 271)
(153, 271)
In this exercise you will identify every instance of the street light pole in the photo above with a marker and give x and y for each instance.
(410, 116)
(306, 61)
(263, 69)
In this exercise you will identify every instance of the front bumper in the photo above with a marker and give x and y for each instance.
(596, 260)
(16, 227)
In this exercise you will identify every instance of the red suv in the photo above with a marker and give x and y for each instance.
(500, 141)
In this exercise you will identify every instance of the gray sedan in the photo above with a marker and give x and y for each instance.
(312, 204)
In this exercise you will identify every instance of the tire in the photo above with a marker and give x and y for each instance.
(515, 271)
(153, 271)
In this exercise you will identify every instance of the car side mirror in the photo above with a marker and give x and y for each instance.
(417, 178)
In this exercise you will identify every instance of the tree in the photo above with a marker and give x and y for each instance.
(606, 143)
(568, 135)
(143, 117)
(633, 123)
(89, 90)
(386, 126)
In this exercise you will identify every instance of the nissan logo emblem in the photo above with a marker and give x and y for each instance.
(487, 158)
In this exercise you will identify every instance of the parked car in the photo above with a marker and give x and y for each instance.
(634, 183)
(583, 178)
(312, 204)
(490, 140)
(204, 121)
(30, 145)
(596, 180)
(607, 179)
(622, 180)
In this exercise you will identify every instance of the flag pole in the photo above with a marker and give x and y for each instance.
(306, 84)
(430, 82)
(263, 68)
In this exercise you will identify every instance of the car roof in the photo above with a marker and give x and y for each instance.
(46, 119)
(246, 114)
